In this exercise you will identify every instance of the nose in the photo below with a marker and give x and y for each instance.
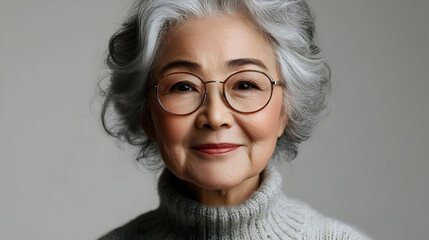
(215, 112)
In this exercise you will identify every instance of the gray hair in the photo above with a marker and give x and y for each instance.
(288, 25)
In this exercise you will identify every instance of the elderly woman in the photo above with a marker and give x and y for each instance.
(217, 91)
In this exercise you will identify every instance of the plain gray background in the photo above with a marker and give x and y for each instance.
(61, 177)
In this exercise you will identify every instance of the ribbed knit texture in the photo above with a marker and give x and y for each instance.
(267, 214)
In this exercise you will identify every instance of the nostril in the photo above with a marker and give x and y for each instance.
(209, 126)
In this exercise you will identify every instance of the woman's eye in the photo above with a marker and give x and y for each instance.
(182, 87)
(245, 85)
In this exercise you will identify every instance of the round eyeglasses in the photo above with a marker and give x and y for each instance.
(246, 91)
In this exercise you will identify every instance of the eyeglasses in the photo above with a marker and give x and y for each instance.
(246, 91)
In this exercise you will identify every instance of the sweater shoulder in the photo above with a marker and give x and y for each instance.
(327, 228)
(322, 227)
(316, 226)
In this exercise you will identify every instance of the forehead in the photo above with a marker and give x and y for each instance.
(212, 41)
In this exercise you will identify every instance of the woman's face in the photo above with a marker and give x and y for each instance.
(215, 147)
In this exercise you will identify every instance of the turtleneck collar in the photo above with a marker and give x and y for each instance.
(189, 214)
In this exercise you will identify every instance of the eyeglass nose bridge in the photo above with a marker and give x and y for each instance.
(205, 93)
(214, 82)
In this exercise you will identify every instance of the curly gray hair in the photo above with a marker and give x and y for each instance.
(133, 48)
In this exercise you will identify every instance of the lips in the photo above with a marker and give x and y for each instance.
(216, 148)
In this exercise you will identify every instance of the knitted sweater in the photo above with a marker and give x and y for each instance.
(267, 214)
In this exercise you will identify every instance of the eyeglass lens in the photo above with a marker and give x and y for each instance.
(183, 93)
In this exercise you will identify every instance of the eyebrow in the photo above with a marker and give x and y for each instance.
(245, 61)
(180, 63)
(234, 63)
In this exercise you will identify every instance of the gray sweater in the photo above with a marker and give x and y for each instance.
(267, 214)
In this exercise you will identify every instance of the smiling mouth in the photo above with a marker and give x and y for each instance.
(216, 148)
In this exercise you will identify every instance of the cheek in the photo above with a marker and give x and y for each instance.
(263, 126)
(170, 129)
(172, 133)
(261, 129)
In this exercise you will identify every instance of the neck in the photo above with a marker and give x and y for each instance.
(225, 197)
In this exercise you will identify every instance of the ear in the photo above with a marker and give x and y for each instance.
(283, 120)
(147, 124)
